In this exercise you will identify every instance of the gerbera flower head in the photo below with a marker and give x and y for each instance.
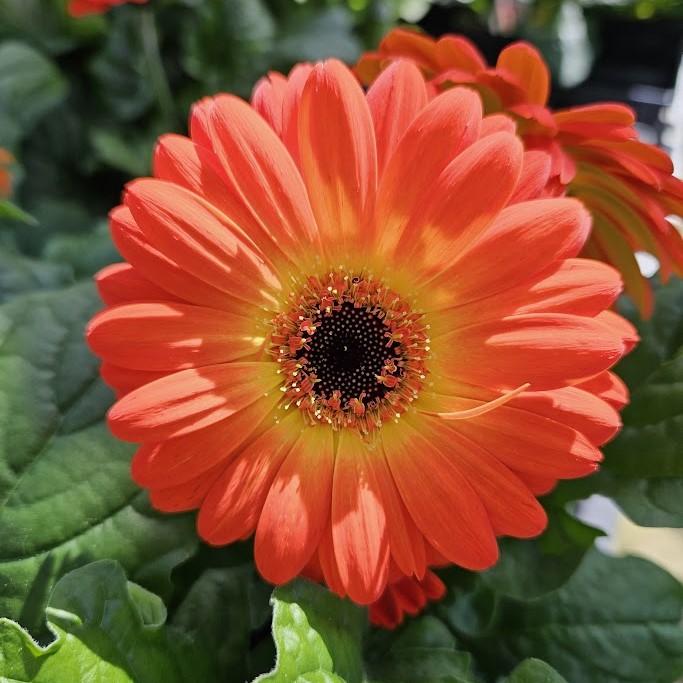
(595, 153)
(340, 331)
(82, 8)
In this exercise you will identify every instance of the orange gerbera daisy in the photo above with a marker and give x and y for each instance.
(82, 8)
(338, 330)
(627, 185)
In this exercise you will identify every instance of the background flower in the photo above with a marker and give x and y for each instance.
(595, 153)
(82, 8)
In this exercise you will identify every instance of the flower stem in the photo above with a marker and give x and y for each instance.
(157, 73)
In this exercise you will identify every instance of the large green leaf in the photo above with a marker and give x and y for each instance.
(219, 598)
(661, 335)
(657, 501)
(615, 621)
(528, 569)
(643, 468)
(30, 84)
(66, 497)
(645, 462)
(322, 638)
(106, 630)
(535, 671)
(422, 650)
(317, 636)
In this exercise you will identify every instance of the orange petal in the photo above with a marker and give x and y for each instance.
(159, 268)
(124, 380)
(328, 563)
(522, 242)
(395, 99)
(180, 161)
(534, 178)
(465, 198)
(297, 509)
(629, 334)
(526, 65)
(610, 113)
(497, 123)
(184, 226)
(170, 336)
(575, 407)
(267, 99)
(174, 461)
(417, 46)
(577, 286)
(407, 544)
(442, 502)
(548, 350)
(528, 442)
(338, 155)
(456, 52)
(258, 167)
(296, 81)
(185, 496)
(607, 386)
(539, 486)
(189, 400)
(443, 129)
(359, 521)
(120, 283)
(233, 506)
(511, 507)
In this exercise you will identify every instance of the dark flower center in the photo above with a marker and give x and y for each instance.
(347, 353)
(352, 353)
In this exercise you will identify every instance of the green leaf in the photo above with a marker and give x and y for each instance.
(10, 211)
(649, 445)
(19, 275)
(643, 469)
(106, 630)
(660, 337)
(218, 598)
(535, 671)
(422, 650)
(651, 502)
(316, 634)
(617, 620)
(66, 497)
(645, 460)
(30, 84)
(528, 569)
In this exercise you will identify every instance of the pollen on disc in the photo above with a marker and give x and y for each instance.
(348, 351)
(352, 352)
